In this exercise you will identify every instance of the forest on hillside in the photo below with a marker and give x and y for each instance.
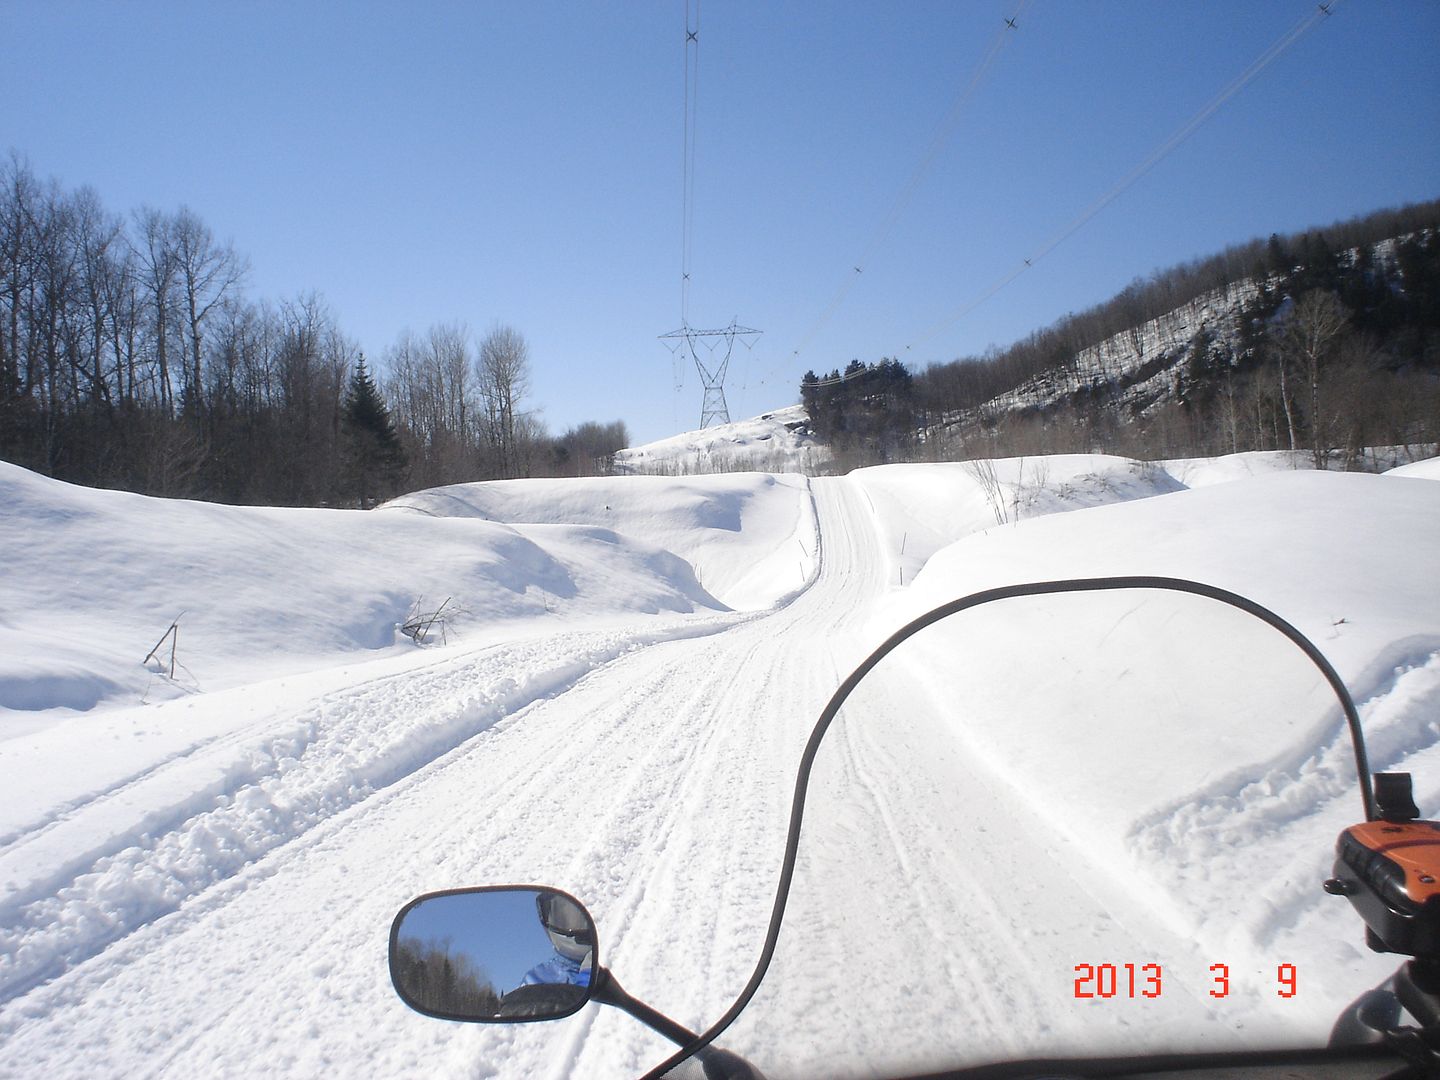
(131, 357)
(1335, 346)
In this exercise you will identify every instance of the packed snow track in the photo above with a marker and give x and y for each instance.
(977, 826)
(654, 785)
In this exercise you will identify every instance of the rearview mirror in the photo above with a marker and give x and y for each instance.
(499, 954)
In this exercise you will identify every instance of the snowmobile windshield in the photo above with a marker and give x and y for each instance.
(1071, 825)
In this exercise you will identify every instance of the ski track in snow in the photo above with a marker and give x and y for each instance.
(336, 752)
(243, 927)
(338, 772)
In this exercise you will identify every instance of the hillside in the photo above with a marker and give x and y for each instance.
(1189, 352)
(778, 441)
(1328, 341)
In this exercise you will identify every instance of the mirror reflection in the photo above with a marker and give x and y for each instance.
(494, 954)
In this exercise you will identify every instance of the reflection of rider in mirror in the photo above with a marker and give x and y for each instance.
(559, 983)
(570, 933)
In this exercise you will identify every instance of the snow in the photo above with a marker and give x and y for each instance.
(776, 441)
(1428, 469)
(1120, 360)
(197, 873)
(1196, 534)
(263, 591)
(749, 537)
(1141, 365)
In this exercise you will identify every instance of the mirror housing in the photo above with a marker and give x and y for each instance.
(494, 955)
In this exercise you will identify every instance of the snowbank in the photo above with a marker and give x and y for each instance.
(1424, 470)
(93, 579)
(1186, 746)
(921, 508)
(749, 536)
(776, 441)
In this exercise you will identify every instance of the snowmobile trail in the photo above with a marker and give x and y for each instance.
(129, 853)
(648, 773)
(652, 781)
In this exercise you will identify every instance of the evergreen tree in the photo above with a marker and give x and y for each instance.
(810, 396)
(374, 459)
(1277, 257)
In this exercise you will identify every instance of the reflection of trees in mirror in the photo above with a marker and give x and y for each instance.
(442, 982)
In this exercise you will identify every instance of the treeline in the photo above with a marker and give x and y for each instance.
(444, 981)
(460, 409)
(131, 357)
(1294, 262)
(1334, 344)
(866, 414)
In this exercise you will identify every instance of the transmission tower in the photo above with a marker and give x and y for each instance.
(712, 375)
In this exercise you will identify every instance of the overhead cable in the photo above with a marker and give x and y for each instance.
(1264, 60)
(906, 195)
(687, 187)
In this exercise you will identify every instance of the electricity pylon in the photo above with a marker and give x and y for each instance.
(712, 376)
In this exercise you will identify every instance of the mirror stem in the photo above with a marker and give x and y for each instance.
(609, 991)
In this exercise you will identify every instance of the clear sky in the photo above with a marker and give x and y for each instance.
(521, 162)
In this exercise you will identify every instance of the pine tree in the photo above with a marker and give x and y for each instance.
(374, 459)
(810, 396)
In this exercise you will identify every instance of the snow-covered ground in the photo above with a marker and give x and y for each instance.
(197, 873)
(775, 442)
(1428, 469)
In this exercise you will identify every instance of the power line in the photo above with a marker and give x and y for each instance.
(687, 178)
(713, 410)
(1264, 60)
(906, 195)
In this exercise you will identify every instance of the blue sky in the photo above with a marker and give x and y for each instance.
(521, 162)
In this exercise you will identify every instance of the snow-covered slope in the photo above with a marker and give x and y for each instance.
(1428, 469)
(202, 885)
(1139, 363)
(1142, 366)
(776, 442)
(744, 533)
(91, 579)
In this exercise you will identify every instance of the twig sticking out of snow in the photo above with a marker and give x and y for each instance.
(174, 635)
(418, 626)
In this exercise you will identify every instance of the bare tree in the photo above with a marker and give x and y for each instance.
(1308, 338)
(431, 386)
(98, 238)
(982, 471)
(56, 317)
(503, 373)
(1357, 390)
(155, 255)
(588, 449)
(21, 213)
(205, 273)
(447, 360)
